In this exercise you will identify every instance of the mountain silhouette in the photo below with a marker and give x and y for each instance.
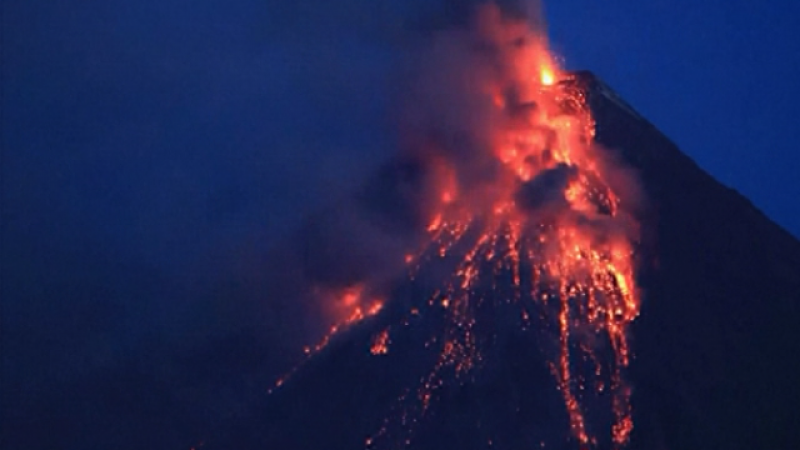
(714, 347)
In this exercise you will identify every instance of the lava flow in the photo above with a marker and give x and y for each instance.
(523, 196)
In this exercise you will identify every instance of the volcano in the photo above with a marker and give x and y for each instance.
(712, 350)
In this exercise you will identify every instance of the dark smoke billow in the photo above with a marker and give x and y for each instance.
(546, 190)
(364, 237)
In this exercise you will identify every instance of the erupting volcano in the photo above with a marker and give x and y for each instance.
(518, 196)
(486, 284)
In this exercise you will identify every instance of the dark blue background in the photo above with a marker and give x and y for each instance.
(718, 77)
(152, 150)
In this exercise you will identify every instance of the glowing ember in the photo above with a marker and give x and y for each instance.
(547, 77)
(380, 343)
(352, 300)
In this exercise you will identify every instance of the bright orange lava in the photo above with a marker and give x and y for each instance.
(380, 343)
(547, 77)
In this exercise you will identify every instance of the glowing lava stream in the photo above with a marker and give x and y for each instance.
(551, 218)
(351, 299)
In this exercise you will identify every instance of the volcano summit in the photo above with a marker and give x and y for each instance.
(427, 369)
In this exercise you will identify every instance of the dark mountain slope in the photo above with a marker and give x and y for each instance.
(715, 344)
(722, 300)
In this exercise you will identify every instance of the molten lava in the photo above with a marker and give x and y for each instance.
(380, 343)
(549, 220)
(547, 77)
